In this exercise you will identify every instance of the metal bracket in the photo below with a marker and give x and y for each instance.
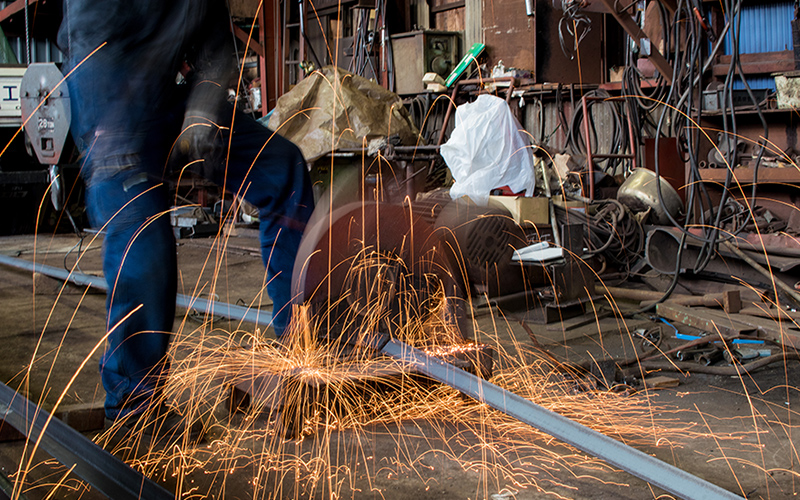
(634, 31)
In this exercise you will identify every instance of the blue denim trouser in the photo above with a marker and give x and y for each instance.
(126, 115)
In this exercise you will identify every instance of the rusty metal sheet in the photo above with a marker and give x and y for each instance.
(509, 34)
(764, 62)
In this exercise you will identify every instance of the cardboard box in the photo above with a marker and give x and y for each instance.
(524, 210)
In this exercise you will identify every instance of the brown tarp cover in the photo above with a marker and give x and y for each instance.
(334, 109)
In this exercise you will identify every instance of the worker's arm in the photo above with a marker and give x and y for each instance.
(212, 64)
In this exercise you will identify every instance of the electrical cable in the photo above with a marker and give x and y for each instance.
(684, 117)
(677, 78)
(577, 25)
(661, 110)
(619, 132)
(611, 232)
(692, 192)
(730, 130)
(683, 16)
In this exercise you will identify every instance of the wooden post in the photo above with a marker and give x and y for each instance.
(270, 65)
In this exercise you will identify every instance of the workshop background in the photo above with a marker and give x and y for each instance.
(554, 254)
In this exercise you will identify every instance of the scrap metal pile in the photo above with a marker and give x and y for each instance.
(678, 183)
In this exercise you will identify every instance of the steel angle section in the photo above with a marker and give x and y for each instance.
(105, 472)
(631, 460)
(232, 311)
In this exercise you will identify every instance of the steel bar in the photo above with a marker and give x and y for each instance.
(102, 470)
(245, 37)
(222, 309)
(640, 464)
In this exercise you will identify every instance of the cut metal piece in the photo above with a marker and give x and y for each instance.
(640, 464)
(102, 470)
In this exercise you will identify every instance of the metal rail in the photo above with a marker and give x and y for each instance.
(102, 470)
(654, 471)
(214, 307)
(631, 460)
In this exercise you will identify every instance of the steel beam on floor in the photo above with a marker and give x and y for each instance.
(654, 471)
(216, 308)
(102, 470)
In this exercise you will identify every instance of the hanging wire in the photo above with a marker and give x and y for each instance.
(575, 23)
(682, 112)
(618, 129)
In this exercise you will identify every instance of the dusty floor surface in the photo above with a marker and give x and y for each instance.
(738, 433)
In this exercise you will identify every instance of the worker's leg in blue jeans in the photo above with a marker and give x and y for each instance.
(270, 172)
(122, 96)
(121, 120)
(139, 264)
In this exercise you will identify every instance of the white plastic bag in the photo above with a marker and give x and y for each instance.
(487, 150)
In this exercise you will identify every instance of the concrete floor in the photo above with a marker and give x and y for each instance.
(735, 432)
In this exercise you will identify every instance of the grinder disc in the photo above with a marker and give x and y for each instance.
(373, 262)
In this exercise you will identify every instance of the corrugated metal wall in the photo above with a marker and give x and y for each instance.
(41, 50)
(765, 27)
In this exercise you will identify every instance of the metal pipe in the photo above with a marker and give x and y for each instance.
(102, 470)
(661, 251)
(631, 293)
(640, 464)
(216, 308)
